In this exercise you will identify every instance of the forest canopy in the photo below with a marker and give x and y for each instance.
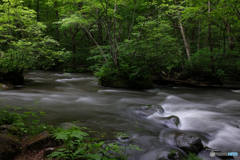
(122, 42)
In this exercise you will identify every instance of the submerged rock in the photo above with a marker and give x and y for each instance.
(159, 108)
(148, 110)
(67, 125)
(188, 142)
(9, 147)
(9, 128)
(171, 121)
(6, 86)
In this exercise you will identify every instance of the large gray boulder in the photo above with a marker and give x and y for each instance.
(188, 142)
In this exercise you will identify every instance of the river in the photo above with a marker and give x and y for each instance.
(212, 114)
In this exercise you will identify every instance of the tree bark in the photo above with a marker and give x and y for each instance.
(57, 28)
(199, 32)
(231, 46)
(179, 53)
(73, 46)
(38, 18)
(210, 38)
(115, 43)
(186, 44)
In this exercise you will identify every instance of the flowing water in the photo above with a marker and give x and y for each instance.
(212, 114)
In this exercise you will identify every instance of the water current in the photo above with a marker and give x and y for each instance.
(212, 114)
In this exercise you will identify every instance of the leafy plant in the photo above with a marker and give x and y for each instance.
(26, 123)
(192, 156)
(78, 145)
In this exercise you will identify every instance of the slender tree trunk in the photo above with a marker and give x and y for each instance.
(199, 32)
(89, 33)
(115, 43)
(38, 18)
(210, 38)
(57, 28)
(231, 46)
(99, 29)
(179, 53)
(186, 44)
(73, 46)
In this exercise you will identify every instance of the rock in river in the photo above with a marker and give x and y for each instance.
(148, 110)
(171, 121)
(188, 142)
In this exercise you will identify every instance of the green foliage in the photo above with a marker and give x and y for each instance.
(192, 156)
(22, 39)
(26, 123)
(129, 39)
(78, 145)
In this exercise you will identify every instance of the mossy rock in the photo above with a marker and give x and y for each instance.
(2, 86)
(188, 142)
(9, 147)
(9, 128)
(6, 86)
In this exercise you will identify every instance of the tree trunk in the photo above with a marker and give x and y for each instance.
(210, 38)
(179, 53)
(57, 28)
(115, 43)
(38, 18)
(73, 46)
(199, 32)
(186, 44)
(231, 45)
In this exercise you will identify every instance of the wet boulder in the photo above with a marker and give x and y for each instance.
(171, 121)
(159, 108)
(6, 86)
(148, 110)
(188, 142)
(9, 147)
(68, 125)
(8, 128)
(125, 138)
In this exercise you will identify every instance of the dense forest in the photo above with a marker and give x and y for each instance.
(125, 43)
